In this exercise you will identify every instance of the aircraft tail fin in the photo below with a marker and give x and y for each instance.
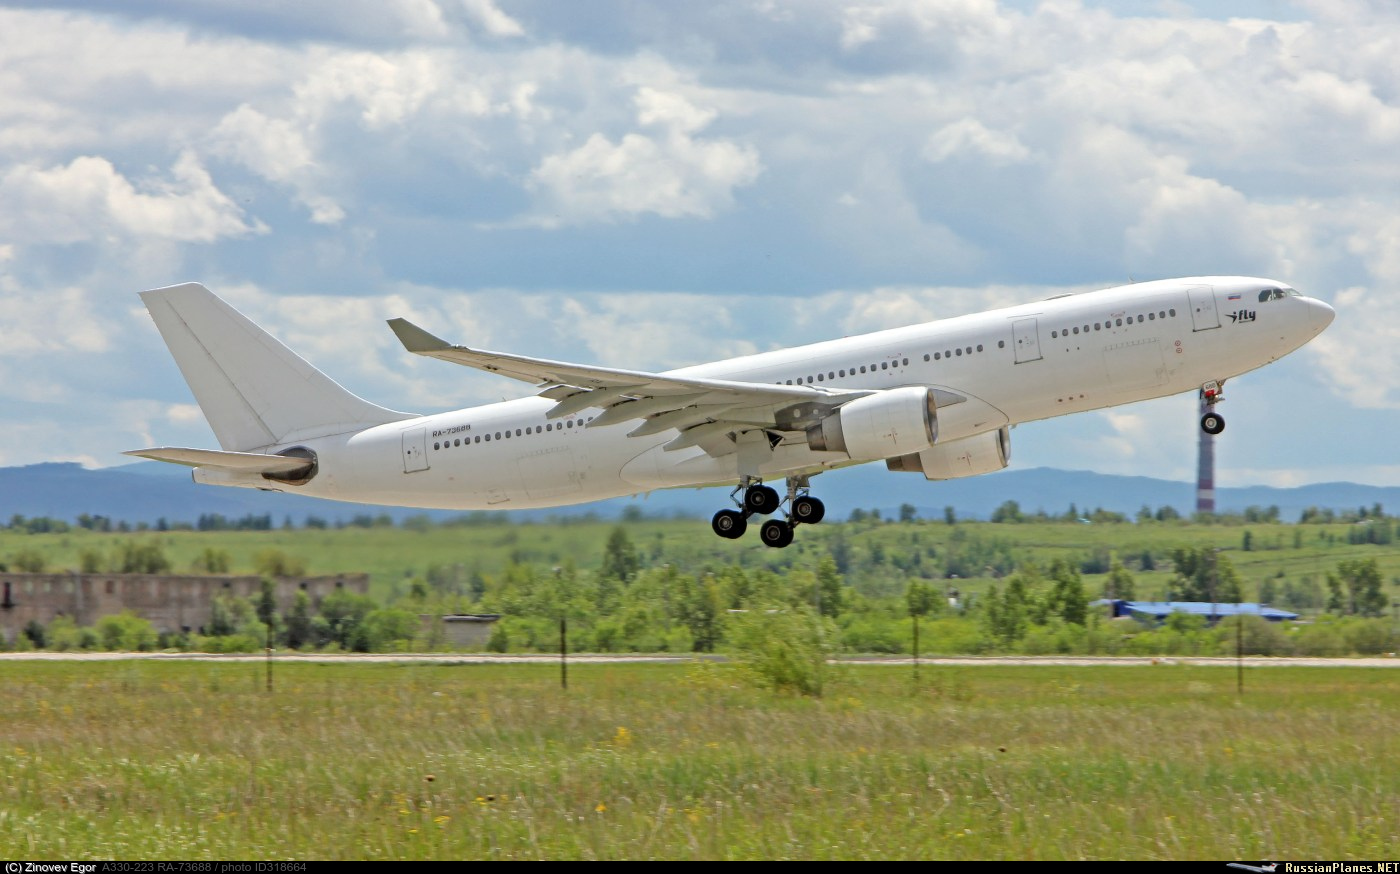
(254, 391)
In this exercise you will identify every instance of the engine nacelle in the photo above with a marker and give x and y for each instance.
(970, 456)
(894, 422)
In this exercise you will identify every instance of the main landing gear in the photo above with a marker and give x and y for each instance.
(1211, 394)
(803, 509)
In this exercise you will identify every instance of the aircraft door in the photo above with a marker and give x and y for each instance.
(1025, 334)
(415, 450)
(1203, 312)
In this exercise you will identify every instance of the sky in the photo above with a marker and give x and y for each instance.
(653, 184)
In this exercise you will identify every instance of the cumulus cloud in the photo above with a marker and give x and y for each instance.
(89, 198)
(837, 167)
(671, 175)
(276, 150)
(970, 137)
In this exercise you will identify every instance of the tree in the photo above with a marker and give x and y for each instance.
(829, 588)
(1204, 575)
(299, 621)
(213, 561)
(277, 564)
(343, 611)
(699, 606)
(1067, 599)
(1356, 588)
(921, 598)
(1120, 583)
(267, 604)
(620, 561)
(30, 561)
(1009, 511)
(141, 557)
(908, 512)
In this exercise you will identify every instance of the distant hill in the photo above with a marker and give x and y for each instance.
(148, 491)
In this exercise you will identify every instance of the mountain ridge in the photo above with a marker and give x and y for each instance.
(150, 491)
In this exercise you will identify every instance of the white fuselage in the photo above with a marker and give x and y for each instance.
(1018, 364)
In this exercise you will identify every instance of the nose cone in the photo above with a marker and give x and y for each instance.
(1321, 315)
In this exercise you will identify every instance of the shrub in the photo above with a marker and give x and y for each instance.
(127, 631)
(783, 649)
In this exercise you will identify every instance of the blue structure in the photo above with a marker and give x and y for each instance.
(1156, 612)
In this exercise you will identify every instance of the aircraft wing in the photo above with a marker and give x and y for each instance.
(709, 413)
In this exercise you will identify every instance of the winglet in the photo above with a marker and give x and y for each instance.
(415, 339)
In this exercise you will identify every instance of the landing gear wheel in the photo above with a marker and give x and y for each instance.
(730, 524)
(761, 500)
(808, 510)
(776, 533)
(1212, 423)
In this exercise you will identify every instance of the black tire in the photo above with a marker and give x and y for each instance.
(729, 524)
(761, 500)
(776, 533)
(808, 510)
(1212, 423)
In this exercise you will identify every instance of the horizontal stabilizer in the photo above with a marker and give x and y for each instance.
(238, 462)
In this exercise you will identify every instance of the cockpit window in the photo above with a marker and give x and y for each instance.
(1277, 293)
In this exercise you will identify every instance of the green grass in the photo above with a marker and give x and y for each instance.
(391, 555)
(159, 760)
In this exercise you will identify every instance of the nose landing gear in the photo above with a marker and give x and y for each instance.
(1211, 394)
(764, 500)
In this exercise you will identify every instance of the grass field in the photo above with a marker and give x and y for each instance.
(392, 555)
(197, 761)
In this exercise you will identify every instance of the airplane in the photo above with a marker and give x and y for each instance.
(937, 399)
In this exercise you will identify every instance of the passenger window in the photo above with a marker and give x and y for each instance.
(1152, 317)
(937, 356)
(1120, 323)
(1173, 312)
(1054, 334)
(979, 347)
(1076, 330)
(1001, 344)
(959, 353)
(884, 365)
(435, 447)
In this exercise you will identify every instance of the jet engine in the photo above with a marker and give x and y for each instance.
(982, 453)
(894, 422)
